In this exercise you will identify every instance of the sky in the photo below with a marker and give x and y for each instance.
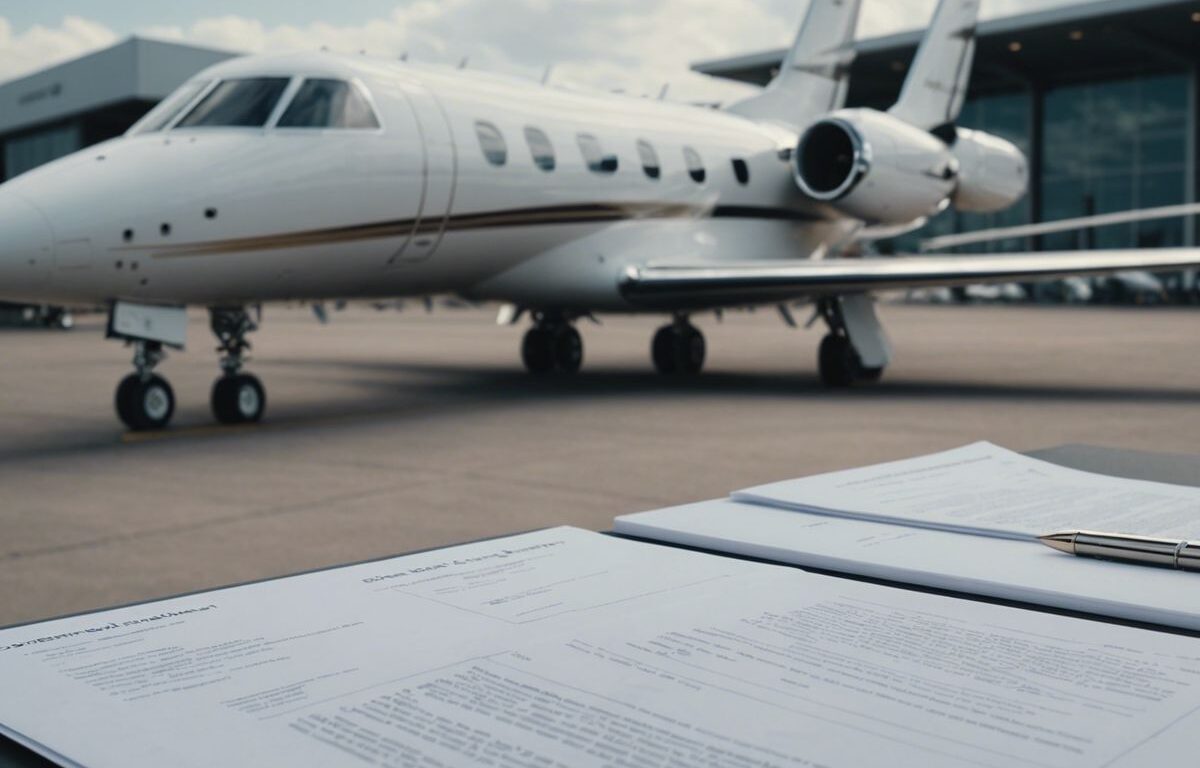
(633, 45)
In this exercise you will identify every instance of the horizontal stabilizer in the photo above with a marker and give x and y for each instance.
(762, 283)
(936, 85)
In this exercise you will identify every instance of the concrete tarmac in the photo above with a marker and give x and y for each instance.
(388, 432)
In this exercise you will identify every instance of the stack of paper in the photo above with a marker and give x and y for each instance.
(963, 520)
(567, 648)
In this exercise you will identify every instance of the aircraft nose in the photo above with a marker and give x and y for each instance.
(26, 248)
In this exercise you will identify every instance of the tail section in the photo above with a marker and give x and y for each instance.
(933, 93)
(815, 73)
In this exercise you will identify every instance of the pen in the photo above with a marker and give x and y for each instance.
(1142, 550)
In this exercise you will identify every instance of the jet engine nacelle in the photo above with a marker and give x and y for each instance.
(875, 167)
(992, 173)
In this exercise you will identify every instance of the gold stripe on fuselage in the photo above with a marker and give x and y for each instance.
(521, 217)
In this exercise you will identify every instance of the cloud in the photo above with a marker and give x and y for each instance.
(40, 46)
(632, 45)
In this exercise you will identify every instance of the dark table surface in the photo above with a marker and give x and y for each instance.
(1181, 469)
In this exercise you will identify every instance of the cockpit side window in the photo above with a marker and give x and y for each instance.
(328, 104)
(243, 103)
(169, 108)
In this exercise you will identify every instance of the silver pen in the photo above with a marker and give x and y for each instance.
(1142, 550)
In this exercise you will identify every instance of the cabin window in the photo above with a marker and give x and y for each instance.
(741, 171)
(695, 166)
(649, 158)
(242, 103)
(170, 108)
(491, 141)
(540, 148)
(328, 104)
(594, 156)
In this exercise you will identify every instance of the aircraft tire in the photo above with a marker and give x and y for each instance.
(537, 350)
(238, 399)
(145, 405)
(678, 350)
(568, 350)
(840, 366)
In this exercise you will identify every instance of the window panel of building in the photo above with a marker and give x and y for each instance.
(328, 104)
(24, 153)
(244, 103)
(1115, 146)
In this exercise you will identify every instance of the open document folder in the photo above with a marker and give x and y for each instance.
(964, 520)
(569, 648)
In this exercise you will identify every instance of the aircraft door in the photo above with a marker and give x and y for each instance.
(440, 174)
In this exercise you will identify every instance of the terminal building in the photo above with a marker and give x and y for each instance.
(1101, 96)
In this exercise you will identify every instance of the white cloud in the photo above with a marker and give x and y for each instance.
(635, 45)
(40, 46)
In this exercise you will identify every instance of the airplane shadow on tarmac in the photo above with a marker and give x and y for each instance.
(484, 384)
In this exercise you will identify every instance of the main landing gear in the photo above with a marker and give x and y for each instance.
(237, 398)
(839, 362)
(552, 344)
(678, 348)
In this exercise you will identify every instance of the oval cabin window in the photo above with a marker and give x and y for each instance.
(491, 141)
(649, 158)
(540, 148)
(695, 165)
(594, 156)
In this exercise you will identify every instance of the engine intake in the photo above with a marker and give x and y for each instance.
(875, 167)
(830, 160)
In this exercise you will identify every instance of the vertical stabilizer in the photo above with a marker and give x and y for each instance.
(815, 73)
(936, 85)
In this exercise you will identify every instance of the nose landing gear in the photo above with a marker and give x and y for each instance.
(144, 399)
(237, 398)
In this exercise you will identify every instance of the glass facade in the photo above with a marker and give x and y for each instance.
(24, 153)
(1107, 146)
(1116, 146)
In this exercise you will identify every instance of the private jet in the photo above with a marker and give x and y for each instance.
(313, 176)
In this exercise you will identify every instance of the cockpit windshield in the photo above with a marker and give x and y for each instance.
(328, 104)
(244, 103)
(169, 108)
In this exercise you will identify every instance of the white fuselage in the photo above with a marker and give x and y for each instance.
(227, 215)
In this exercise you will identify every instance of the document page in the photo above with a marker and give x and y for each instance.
(987, 490)
(566, 648)
(1009, 569)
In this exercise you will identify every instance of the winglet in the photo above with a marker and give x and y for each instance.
(815, 72)
(936, 85)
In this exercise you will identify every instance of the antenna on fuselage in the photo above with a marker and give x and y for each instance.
(463, 64)
(547, 73)
(404, 56)
(662, 94)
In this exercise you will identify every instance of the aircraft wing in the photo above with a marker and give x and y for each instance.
(702, 285)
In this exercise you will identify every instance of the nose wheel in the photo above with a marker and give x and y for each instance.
(144, 400)
(552, 344)
(237, 398)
